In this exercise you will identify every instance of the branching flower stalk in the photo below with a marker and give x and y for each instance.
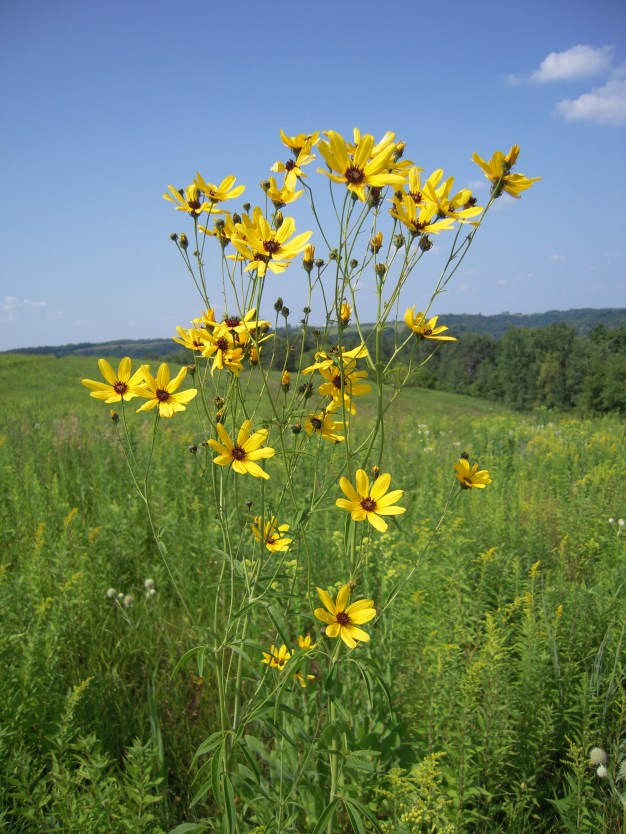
(274, 405)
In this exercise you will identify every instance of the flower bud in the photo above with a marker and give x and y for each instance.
(184, 243)
(219, 417)
(192, 449)
(148, 584)
(248, 503)
(191, 369)
(218, 401)
(306, 310)
(465, 455)
(306, 390)
(285, 311)
(115, 417)
(246, 208)
(344, 314)
(308, 257)
(278, 219)
(128, 600)
(375, 470)
(333, 255)
(111, 593)
(425, 243)
(376, 243)
(285, 381)
(398, 241)
(381, 270)
(174, 237)
(237, 217)
(353, 263)
(278, 304)
(296, 428)
(319, 263)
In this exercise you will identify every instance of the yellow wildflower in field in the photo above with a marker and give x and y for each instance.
(469, 477)
(426, 328)
(299, 141)
(361, 166)
(226, 190)
(327, 360)
(244, 452)
(280, 196)
(498, 172)
(343, 385)
(293, 167)
(342, 620)
(189, 200)
(367, 503)
(120, 386)
(462, 206)
(345, 312)
(220, 346)
(420, 218)
(273, 534)
(304, 643)
(265, 247)
(193, 338)
(277, 658)
(244, 328)
(160, 394)
(322, 423)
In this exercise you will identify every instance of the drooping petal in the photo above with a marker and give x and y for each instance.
(326, 600)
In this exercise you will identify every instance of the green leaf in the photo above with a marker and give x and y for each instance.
(189, 828)
(355, 817)
(325, 816)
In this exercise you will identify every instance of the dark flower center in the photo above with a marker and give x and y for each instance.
(342, 618)
(416, 195)
(428, 332)
(222, 343)
(232, 321)
(194, 205)
(271, 246)
(316, 423)
(120, 387)
(162, 395)
(238, 453)
(337, 381)
(290, 165)
(354, 175)
(368, 504)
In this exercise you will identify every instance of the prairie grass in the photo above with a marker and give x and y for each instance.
(504, 660)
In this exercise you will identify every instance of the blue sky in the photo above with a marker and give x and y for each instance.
(106, 103)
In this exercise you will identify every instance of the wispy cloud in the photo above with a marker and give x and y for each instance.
(604, 105)
(13, 308)
(558, 257)
(581, 61)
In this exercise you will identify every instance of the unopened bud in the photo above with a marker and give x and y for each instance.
(248, 503)
(246, 207)
(278, 219)
(425, 243)
(278, 304)
(184, 243)
(375, 470)
(285, 311)
(333, 255)
(465, 455)
(296, 428)
(115, 417)
(381, 270)
(285, 381)
(192, 449)
(353, 263)
(398, 241)
(191, 369)
(174, 237)
(237, 217)
(319, 263)
(218, 401)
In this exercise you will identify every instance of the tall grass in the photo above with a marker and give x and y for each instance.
(504, 660)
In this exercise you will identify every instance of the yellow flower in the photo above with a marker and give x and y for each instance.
(223, 229)
(280, 196)
(120, 386)
(243, 453)
(160, 391)
(342, 620)
(304, 643)
(194, 338)
(293, 167)
(365, 503)
(189, 200)
(267, 248)
(309, 255)
(420, 218)
(322, 424)
(498, 171)
(285, 381)
(221, 346)
(345, 312)
(273, 534)
(462, 206)
(245, 328)
(300, 141)
(277, 658)
(469, 477)
(343, 385)
(226, 190)
(327, 360)
(426, 328)
(362, 166)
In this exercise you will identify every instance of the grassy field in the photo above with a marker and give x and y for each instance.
(503, 657)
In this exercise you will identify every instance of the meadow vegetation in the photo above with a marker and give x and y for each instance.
(503, 660)
(315, 598)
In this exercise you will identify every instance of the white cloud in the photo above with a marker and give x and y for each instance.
(580, 61)
(558, 257)
(604, 105)
(11, 304)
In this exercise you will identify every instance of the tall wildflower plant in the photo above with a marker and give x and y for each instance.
(283, 454)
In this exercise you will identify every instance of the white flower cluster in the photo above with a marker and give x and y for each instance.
(126, 600)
